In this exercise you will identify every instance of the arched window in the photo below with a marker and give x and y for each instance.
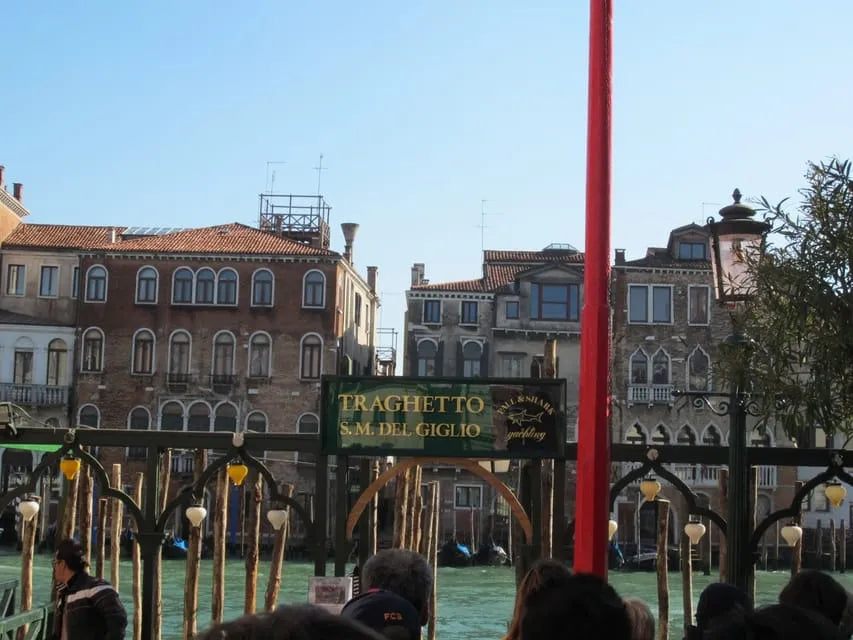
(198, 418)
(635, 434)
(311, 357)
(698, 370)
(138, 419)
(146, 285)
(92, 359)
(660, 367)
(23, 371)
(226, 418)
(89, 416)
(226, 287)
(639, 367)
(172, 417)
(143, 352)
(308, 424)
(57, 363)
(257, 422)
(661, 435)
(179, 356)
(760, 437)
(262, 288)
(223, 357)
(259, 355)
(314, 290)
(427, 351)
(686, 436)
(471, 354)
(205, 284)
(96, 284)
(182, 286)
(711, 436)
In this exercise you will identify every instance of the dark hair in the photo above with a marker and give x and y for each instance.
(641, 618)
(816, 591)
(400, 571)
(776, 622)
(71, 553)
(303, 622)
(543, 574)
(580, 607)
(719, 599)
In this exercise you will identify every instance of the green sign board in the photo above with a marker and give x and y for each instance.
(453, 417)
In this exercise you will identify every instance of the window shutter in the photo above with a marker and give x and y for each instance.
(460, 360)
(439, 359)
(484, 361)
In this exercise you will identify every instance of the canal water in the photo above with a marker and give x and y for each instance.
(474, 603)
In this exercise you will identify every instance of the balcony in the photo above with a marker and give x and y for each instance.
(177, 382)
(223, 383)
(34, 395)
(649, 394)
(707, 476)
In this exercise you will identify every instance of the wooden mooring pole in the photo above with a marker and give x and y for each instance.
(686, 580)
(136, 560)
(413, 528)
(797, 552)
(28, 542)
(101, 538)
(723, 484)
(165, 476)
(254, 534)
(374, 511)
(115, 529)
(843, 557)
(833, 545)
(86, 492)
(432, 556)
(278, 553)
(401, 506)
(663, 569)
(193, 558)
(69, 513)
(220, 514)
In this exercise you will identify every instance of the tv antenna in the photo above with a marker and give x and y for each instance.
(320, 169)
(482, 226)
(269, 183)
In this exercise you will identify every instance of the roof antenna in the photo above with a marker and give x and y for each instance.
(269, 182)
(482, 226)
(319, 169)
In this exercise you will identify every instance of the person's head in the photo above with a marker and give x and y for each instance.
(719, 599)
(776, 622)
(403, 572)
(68, 561)
(303, 622)
(391, 615)
(542, 574)
(816, 591)
(577, 607)
(642, 620)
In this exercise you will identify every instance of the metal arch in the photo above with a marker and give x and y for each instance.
(196, 489)
(627, 479)
(832, 471)
(109, 491)
(33, 476)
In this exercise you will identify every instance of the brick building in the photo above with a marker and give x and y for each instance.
(666, 331)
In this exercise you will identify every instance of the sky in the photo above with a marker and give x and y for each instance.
(168, 113)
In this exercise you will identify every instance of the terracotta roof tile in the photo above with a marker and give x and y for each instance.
(59, 236)
(234, 238)
(533, 257)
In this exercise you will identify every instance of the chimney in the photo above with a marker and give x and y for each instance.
(112, 235)
(417, 273)
(17, 191)
(620, 257)
(349, 229)
(2, 170)
(371, 278)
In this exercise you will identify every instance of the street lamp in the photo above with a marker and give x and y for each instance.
(734, 241)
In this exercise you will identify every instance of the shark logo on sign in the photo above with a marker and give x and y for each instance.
(527, 420)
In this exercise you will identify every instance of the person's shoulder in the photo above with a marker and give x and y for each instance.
(91, 585)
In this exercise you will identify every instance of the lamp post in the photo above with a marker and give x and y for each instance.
(735, 239)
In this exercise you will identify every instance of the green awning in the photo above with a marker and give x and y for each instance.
(32, 447)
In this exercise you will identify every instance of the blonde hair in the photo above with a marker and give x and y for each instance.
(642, 621)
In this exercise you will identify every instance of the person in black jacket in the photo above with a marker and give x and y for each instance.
(87, 607)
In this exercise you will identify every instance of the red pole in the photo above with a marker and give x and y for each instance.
(593, 479)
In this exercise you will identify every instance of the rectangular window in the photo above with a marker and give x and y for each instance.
(357, 310)
(49, 282)
(468, 496)
(432, 311)
(23, 367)
(92, 348)
(469, 312)
(511, 366)
(698, 304)
(692, 251)
(642, 298)
(57, 365)
(512, 310)
(75, 282)
(16, 279)
(554, 302)
(310, 360)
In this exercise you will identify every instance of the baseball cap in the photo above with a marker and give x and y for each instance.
(391, 615)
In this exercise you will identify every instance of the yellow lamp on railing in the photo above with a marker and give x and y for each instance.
(792, 534)
(836, 493)
(694, 531)
(650, 488)
(70, 467)
(612, 526)
(237, 473)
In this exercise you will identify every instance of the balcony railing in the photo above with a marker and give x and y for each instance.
(706, 475)
(650, 394)
(35, 395)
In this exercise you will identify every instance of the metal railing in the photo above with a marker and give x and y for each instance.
(37, 620)
(37, 395)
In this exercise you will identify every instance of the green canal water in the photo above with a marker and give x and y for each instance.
(473, 603)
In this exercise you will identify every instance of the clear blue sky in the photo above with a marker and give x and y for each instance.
(166, 113)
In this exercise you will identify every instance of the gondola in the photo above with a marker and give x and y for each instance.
(454, 554)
